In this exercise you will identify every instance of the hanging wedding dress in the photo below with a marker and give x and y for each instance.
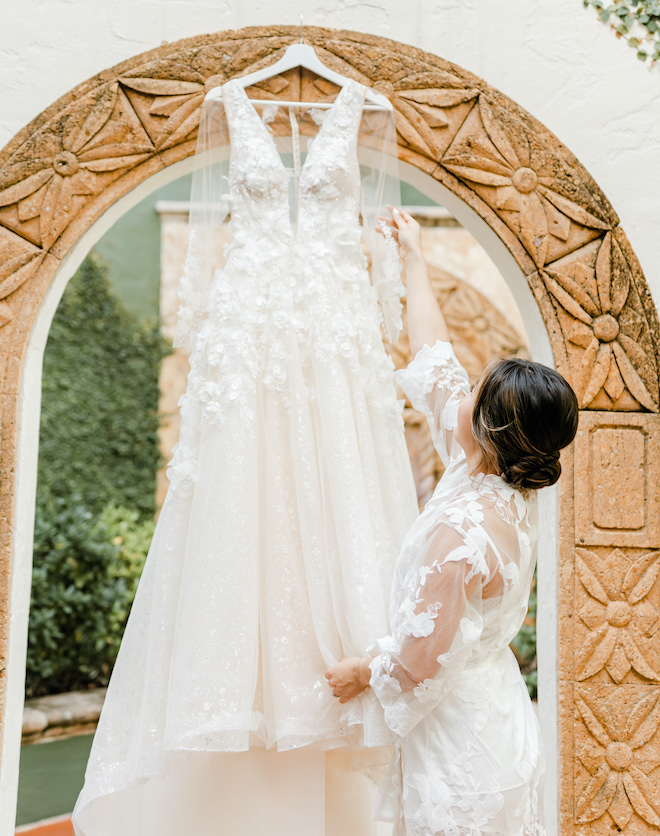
(291, 488)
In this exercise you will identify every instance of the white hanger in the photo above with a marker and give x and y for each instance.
(303, 55)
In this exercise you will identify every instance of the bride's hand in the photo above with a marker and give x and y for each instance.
(349, 677)
(405, 230)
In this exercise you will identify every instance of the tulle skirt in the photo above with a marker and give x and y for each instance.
(272, 559)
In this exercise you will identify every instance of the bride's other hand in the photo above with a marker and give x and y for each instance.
(349, 677)
(405, 230)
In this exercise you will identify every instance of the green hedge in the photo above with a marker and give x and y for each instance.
(99, 413)
(98, 458)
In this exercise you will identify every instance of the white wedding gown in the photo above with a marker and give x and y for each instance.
(291, 492)
(469, 760)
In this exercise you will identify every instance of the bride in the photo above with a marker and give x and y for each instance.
(468, 760)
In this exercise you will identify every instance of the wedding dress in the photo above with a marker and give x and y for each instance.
(469, 758)
(291, 488)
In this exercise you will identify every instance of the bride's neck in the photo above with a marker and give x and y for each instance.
(475, 461)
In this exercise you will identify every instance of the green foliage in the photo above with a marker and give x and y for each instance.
(99, 415)
(98, 457)
(86, 570)
(524, 646)
(636, 21)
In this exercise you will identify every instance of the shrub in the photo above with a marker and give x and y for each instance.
(86, 570)
(98, 457)
(99, 414)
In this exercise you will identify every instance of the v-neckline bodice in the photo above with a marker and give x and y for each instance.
(268, 136)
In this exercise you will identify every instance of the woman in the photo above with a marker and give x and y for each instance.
(468, 759)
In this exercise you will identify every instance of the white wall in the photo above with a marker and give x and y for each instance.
(554, 58)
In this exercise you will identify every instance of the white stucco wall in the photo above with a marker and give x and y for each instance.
(554, 58)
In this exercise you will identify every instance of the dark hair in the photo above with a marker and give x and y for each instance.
(524, 413)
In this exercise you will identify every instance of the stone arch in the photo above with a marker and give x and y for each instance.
(61, 172)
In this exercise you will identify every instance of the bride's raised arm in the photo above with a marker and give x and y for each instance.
(426, 324)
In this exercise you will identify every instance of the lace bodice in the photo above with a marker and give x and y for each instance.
(326, 186)
(294, 220)
(463, 577)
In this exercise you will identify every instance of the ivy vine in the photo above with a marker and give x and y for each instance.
(636, 21)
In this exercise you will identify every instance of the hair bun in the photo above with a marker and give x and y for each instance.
(533, 471)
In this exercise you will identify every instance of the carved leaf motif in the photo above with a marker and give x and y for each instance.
(410, 133)
(618, 664)
(575, 291)
(588, 568)
(647, 758)
(48, 210)
(602, 710)
(644, 363)
(636, 657)
(439, 98)
(572, 210)
(594, 725)
(26, 187)
(117, 149)
(592, 613)
(614, 384)
(597, 795)
(433, 116)
(640, 577)
(645, 618)
(586, 368)
(481, 174)
(565, 300)
(97, 117)
(534, 227)
(620, 809)
(580, 334)
(595, 651)
(114, 163)
(161, 86)
(182, 122)
(496, 134)
(166, 105)
(637, 786)
(591, 756)
(558, 223)
(599, 373)
(643, 720)
(603, 273)
(620, 278)
(632, 380)
(14, 280)
(184, 129)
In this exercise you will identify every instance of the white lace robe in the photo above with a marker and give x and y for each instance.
(469, 759)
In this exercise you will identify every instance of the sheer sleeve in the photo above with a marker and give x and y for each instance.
(435, 382)
(209, 205)
(378, 154)
(437, 628)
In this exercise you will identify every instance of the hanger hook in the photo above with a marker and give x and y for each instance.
(301, 28)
